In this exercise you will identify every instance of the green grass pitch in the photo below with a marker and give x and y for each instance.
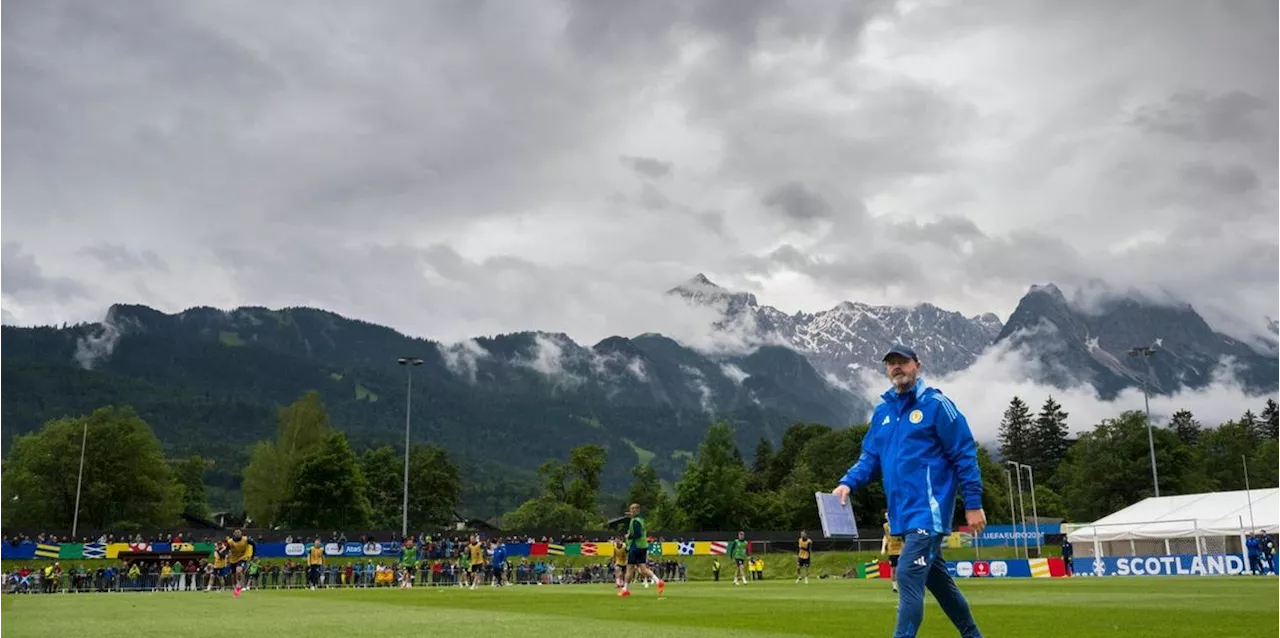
(1133, 607)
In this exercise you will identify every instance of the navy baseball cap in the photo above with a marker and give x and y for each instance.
(902, 351)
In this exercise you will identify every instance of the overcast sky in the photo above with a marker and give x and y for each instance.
(458, 168)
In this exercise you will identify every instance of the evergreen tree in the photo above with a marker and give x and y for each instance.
(1101, 473)
(667, 517)
(712, 492)
(435, 487)
(995, 489)
(1017, 436)
(793, 441)
(586, 462)
(190, 474)
(1186, 427)
(1270, 419)
(1253, 425)
(645, 489)
(758, 480)
(328, 489)
(1050, 437)
(1220, 451)
(384, 486)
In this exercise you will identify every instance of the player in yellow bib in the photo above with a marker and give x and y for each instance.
(619, 562)
(240, 550)
(891, 545)
(315, 564)
(476, 551)
(219, 572)
(803, 556)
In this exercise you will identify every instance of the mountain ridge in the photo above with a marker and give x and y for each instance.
(851, 335)
(512, 399)
(1101, 345)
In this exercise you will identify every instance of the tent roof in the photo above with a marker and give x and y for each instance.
(1188, 515)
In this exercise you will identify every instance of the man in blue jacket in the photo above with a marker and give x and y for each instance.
(498, 555)
(923, 449)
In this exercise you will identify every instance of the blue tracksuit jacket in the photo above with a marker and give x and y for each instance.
(922, 446)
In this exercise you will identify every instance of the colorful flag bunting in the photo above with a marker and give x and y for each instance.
(871, 569)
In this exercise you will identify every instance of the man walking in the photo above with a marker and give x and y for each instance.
(922, 447)
(638, 553)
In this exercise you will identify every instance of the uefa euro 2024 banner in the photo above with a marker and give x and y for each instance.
(1001, 535)
(1175, 565)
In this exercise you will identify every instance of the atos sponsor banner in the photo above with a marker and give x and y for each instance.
(999, 535)
(352, 549)
(1167, 565)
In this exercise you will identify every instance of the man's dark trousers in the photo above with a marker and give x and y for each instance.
(921, 565)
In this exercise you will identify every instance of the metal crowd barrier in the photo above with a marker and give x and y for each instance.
(332, 576)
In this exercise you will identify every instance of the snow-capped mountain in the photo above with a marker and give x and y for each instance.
(852, 335)
(1073, 345)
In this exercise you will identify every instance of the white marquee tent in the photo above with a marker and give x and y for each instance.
(1190, 523)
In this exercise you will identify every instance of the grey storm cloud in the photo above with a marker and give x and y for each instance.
(1234, 116)
(460, 168)
(1232, 178)
(120, 258)
(647, 166)
(21, 277)
(798, 203)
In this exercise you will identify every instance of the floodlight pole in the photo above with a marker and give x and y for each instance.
(1248, 499)
(409, 363)
(1022, 506)
(75, 517)
(1035, 514)
(1146, 352)
(1013, 511)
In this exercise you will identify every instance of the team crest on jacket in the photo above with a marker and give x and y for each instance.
(916, 416)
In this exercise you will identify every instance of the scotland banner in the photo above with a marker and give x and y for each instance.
(1174, 565)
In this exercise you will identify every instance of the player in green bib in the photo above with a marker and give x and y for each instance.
(408, 563)
(637, 553)
(737, 551)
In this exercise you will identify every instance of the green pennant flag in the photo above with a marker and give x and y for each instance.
(71, 551)
(573, 549)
